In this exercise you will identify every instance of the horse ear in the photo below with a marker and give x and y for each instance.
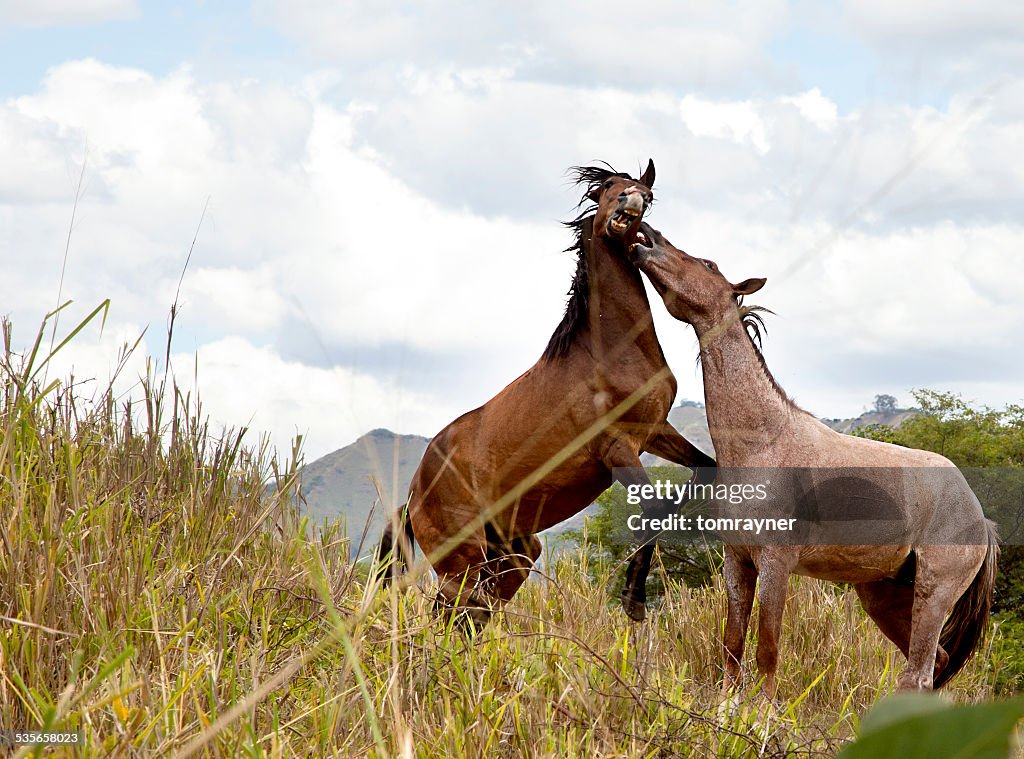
(648, 177)
(749, 286)
(595, 193)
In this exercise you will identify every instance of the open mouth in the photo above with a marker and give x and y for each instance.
(642, 245)
(619, 223)
(641, 239)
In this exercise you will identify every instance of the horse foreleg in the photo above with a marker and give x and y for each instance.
(740, 581)
(634, 591)
(773, 576)
(630, 472)
(669, 444)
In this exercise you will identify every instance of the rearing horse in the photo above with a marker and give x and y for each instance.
(546, 446)
(933, 554)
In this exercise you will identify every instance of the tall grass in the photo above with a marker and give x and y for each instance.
(157, 596)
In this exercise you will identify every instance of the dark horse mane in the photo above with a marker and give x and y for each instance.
(577, 307)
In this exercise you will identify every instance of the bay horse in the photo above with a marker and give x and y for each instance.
(546, 446)
(910, 584)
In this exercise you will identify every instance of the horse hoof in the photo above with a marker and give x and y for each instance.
(730, 706)
(635, 610)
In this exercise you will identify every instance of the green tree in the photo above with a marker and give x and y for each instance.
(609, 541)
(885, 404)
(968, 436)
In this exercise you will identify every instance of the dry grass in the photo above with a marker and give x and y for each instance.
(157, 597)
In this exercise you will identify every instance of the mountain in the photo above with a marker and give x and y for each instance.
(345, 483)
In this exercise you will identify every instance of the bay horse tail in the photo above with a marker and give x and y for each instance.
(969, 619)
(393, 556)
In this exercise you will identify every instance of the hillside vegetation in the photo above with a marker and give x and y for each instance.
(156, 597)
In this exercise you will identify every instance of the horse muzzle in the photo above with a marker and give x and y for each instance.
(644, 246)
(631, 209)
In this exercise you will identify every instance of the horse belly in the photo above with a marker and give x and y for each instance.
(852, 564)
(562, 495)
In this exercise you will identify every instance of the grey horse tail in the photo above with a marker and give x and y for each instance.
(968, 621)
(393, 556)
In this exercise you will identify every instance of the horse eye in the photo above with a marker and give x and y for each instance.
(607, 184)
(710, 264)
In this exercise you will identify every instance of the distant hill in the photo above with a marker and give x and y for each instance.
(892, 418)
(341, 484)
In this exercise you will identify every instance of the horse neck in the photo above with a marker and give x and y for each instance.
(746, 410)
(620, 319)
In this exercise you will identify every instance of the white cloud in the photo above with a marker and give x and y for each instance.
(815, 107)
(393, 261)
(935, 50)
(300, 227)
(739, 122)
(567, 42)
(791, 156)
(64, 12)
(936, 20)
(871, 312)
(98, 359)
(241, 384)
(235, 299)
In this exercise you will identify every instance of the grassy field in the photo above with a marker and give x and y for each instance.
(157, 598)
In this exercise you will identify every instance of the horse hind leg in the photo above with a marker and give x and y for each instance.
(511, 568)
(891, 606)
(459, 574)
(944, 573)
(461, 596)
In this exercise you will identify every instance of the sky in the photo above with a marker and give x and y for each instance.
(375, 191)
